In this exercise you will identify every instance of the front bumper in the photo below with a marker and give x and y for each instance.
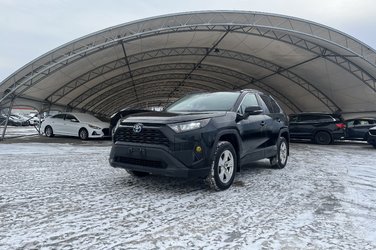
(154, 159)
(372, 140)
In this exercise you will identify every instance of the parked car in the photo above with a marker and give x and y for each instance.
(123, 113)
(357, 128)
(14, 120)
(33, 119)
(320, 128)
(81, 125)
(200, 136)
(371, 139)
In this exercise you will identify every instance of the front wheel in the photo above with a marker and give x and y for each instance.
(280, 160)
(223, 167)
(48, 131)
(83, 134)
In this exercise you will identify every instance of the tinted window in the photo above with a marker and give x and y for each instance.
(70, 117)
(219, 101)
(59, 116)
(315, 118)
(271, 104)
(248, 101)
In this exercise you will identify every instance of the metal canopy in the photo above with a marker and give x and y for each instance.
(152, 62)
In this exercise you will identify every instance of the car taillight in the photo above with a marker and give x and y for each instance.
(340, 125)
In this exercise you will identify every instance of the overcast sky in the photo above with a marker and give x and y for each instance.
(29, 28)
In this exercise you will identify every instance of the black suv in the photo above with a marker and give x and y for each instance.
(208, 135)
(321, 128)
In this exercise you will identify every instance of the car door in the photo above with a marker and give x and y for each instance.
(71, 125)
(274, 121)
(57, 124)
(251, 130)
(358, 128)
(303, 126)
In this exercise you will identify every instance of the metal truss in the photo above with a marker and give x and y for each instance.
(238, 77)
(149, 94)
(259, 24)
(149, 55)
(199, 80)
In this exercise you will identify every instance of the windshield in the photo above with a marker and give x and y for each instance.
(83, 117)
(219, 101)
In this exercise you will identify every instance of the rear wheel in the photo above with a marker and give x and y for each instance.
(323, 138)
(280, 160)
(48, 131)
(137, 173)
(83, 134)
(223, 167)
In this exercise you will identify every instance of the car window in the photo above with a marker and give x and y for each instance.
(315, 118)
(70, 117)
(248, 101)
(58, 116)
(218, 101)
(270, 104)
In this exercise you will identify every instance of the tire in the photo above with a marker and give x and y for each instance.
(48, 131)
(83, 134)
(280, 160)
(223, 167)
(323, 138)
(137, 173)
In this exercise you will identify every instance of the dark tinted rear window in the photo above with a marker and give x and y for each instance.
(270, 104)
(315, 118)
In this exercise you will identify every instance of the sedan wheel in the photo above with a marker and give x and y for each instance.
(83, 134)
(48, 131)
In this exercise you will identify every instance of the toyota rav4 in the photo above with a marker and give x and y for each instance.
(207, 135)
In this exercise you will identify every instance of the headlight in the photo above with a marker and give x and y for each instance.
(187, 126)
(93, 127)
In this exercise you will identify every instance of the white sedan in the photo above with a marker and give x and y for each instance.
(81, 125)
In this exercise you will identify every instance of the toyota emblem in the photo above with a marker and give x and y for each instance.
(137, 127)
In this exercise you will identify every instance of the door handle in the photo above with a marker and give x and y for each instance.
(262, 123)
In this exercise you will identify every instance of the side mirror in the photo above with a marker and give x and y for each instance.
(74, 120)
(252, 110)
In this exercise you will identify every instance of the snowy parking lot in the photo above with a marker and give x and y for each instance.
(65, 195)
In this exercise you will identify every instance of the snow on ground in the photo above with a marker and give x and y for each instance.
(61, 196)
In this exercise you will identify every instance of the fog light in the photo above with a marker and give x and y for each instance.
(198, 149)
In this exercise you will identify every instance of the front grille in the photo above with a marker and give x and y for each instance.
(106, 131)
(140, 162)
(372, 132)
(147, 136)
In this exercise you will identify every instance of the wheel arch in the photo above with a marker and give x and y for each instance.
(232, 137)
(284, 132)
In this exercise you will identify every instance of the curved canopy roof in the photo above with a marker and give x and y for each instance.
(151, 62)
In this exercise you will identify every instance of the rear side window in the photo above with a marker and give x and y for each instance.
(315, 118)
(270, 104)
(58, 116)
(70, 117)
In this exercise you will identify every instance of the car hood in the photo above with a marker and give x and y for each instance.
(168, 118)
(98, 124)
